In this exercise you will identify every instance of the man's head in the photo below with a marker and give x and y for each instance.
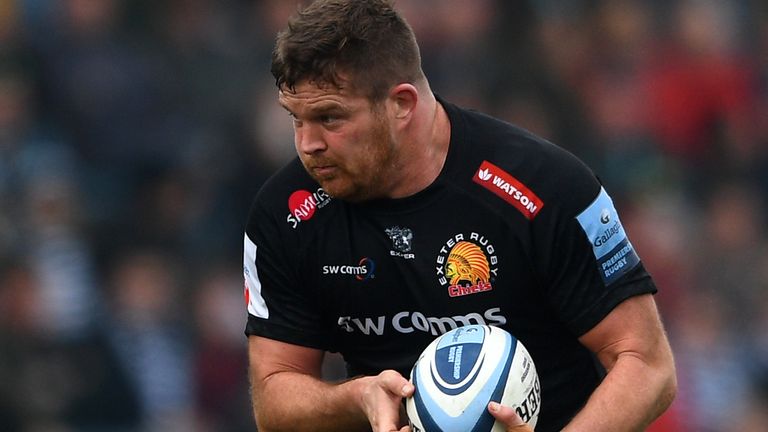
(366, 41)
(349, 74)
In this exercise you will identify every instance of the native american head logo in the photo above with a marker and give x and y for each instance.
(467, 263)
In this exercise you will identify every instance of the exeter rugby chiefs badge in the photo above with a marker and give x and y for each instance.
(467, 264)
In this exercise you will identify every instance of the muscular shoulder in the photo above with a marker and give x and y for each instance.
(519, 168)
(288, 199)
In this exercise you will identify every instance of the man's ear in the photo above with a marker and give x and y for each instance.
(403, 98)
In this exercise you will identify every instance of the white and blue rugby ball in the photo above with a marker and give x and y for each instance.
(463, 370)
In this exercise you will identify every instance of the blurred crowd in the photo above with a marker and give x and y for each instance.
(135, 133)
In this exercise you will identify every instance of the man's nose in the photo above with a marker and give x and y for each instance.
(309, 139)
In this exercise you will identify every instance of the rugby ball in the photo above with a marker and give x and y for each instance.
(463, 370)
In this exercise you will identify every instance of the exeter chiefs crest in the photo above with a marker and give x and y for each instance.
(467, 265)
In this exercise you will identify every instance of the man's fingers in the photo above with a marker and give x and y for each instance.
(383, 401)
(508, 417)
(396, 383)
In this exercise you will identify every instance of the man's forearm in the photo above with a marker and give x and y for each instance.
(630, 397)
(291, 401)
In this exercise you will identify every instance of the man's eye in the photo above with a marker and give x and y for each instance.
(328, 119)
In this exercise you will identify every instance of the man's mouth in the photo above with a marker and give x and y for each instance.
(324, 170)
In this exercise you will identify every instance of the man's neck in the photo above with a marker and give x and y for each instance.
(427, 149)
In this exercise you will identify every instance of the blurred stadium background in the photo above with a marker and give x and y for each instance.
(134, 134)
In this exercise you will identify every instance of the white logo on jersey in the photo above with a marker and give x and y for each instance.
(402, 241)
(484, 174)
(407, 322)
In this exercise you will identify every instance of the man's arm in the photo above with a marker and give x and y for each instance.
(288, 394)
(640, 385)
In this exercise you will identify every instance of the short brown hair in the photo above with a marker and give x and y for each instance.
(367, 40)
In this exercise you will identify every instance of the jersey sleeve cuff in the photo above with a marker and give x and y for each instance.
(636, 283)
(260, 327)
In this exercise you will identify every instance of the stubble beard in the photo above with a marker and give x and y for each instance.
(370, 179)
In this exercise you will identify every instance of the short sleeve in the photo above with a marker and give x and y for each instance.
(584, 256)
(280, 304)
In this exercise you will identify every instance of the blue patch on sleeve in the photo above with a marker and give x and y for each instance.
(613, 251)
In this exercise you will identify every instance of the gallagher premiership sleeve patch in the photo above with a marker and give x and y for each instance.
(613, 251)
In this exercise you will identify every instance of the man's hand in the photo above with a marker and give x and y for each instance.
(508, 417)
(381, 400)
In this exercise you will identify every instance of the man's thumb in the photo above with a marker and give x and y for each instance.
(508, 417)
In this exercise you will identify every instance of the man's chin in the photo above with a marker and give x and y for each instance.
(344, 192)
(341, 194)
(334, 188)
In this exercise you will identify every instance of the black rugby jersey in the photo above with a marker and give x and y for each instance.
(515, 232)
